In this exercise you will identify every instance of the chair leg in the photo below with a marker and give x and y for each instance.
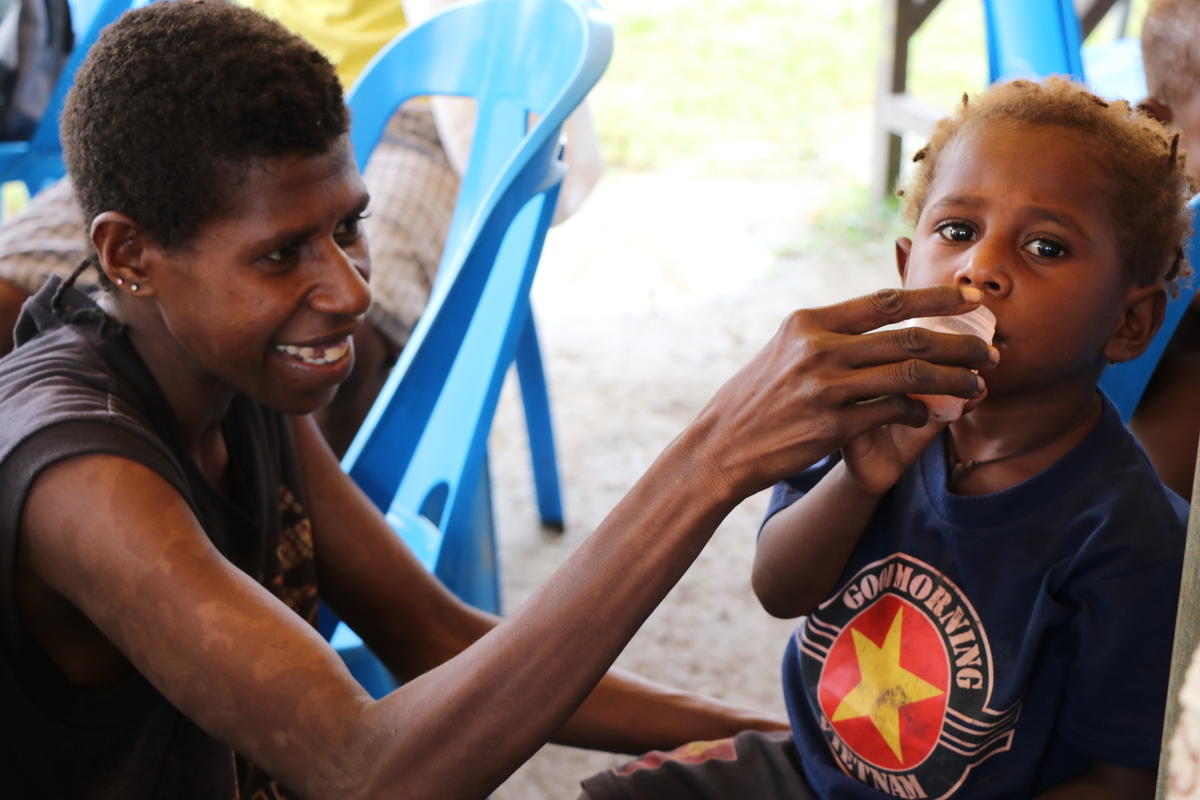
(468, 564)
(536, 399)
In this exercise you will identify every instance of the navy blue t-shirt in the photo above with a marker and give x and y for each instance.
(992, 646)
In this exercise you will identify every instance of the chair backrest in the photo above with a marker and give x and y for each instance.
(1126, 382)
(421, 448)
(1032, 39)
(509, 57)
(38, 161)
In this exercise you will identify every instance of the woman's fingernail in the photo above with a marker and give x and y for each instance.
(993, 355)
(971, 294)
(979, 382)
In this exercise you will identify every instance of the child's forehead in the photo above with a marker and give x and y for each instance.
(1043, 165)
(1022, 131)
(1018, 150)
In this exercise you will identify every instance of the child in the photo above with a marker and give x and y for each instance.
(991, 603)
(1167, 420)
(171, 515)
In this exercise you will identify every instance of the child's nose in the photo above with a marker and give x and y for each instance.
(985, 271)
(342, 287)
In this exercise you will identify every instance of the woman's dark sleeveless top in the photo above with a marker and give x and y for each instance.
(76, 386)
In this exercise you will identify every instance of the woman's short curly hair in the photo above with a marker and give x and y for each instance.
(177, 98)
(1150, 186)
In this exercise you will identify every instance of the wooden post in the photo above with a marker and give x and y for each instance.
(1090, 14)
(1187, 630)
(896, 112)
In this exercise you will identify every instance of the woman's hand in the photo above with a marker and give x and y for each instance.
(821, 383)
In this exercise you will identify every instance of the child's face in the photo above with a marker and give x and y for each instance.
(1020, 212)
(266, 297)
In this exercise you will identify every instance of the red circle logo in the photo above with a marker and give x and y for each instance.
(886, 683)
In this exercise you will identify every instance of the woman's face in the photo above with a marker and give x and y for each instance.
(266, 296)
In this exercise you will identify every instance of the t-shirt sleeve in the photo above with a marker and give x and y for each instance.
(1113, 709)
(786, 492)
(50, 445)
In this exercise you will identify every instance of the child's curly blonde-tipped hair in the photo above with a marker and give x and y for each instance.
(1149, 185)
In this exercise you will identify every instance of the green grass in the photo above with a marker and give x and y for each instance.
(688, 79)
(771, 88)
(780, 89)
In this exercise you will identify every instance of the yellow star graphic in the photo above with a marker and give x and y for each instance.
(885, 686)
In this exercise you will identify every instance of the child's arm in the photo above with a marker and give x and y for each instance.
(803, 548)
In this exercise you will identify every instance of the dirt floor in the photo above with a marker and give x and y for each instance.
(655, 294)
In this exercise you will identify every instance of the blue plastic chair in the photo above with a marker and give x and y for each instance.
(421, 454)
(493, 74)
(1032, 39)
(38, 161)
(1037, 38)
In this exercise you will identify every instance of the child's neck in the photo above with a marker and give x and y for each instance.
(1008, 440)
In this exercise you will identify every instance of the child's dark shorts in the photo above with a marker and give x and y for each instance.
(764, 766)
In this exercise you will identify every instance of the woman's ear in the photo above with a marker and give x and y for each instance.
(1140, 320)
(903, 248)
(121, 246)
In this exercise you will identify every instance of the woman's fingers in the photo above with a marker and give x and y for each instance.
(820, 382)
(884, 347)
(913, 376)
(888, 306)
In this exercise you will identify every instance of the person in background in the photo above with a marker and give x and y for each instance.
(1167, 420)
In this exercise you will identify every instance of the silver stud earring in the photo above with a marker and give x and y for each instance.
(133, 287)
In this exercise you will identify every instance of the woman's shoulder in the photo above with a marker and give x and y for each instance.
(61, 393)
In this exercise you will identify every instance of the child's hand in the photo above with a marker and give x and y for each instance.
(877, 458)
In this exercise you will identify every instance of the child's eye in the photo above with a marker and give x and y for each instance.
(956, 231)
(1045, 248)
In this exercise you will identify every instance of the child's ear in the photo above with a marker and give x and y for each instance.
(903, 248)
(1156, 109)
(1140, 320)
(121, 246)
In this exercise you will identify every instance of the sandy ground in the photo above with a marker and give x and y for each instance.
(649, 299)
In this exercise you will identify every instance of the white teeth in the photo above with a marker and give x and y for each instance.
(328, 354)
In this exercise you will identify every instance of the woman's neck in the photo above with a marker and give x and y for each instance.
(1009, 440)
(198, 402)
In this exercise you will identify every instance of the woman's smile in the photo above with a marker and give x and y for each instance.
(318, 355)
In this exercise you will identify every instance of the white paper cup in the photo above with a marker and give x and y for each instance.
(979, 322)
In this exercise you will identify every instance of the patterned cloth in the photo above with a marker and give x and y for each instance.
(413, 191)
